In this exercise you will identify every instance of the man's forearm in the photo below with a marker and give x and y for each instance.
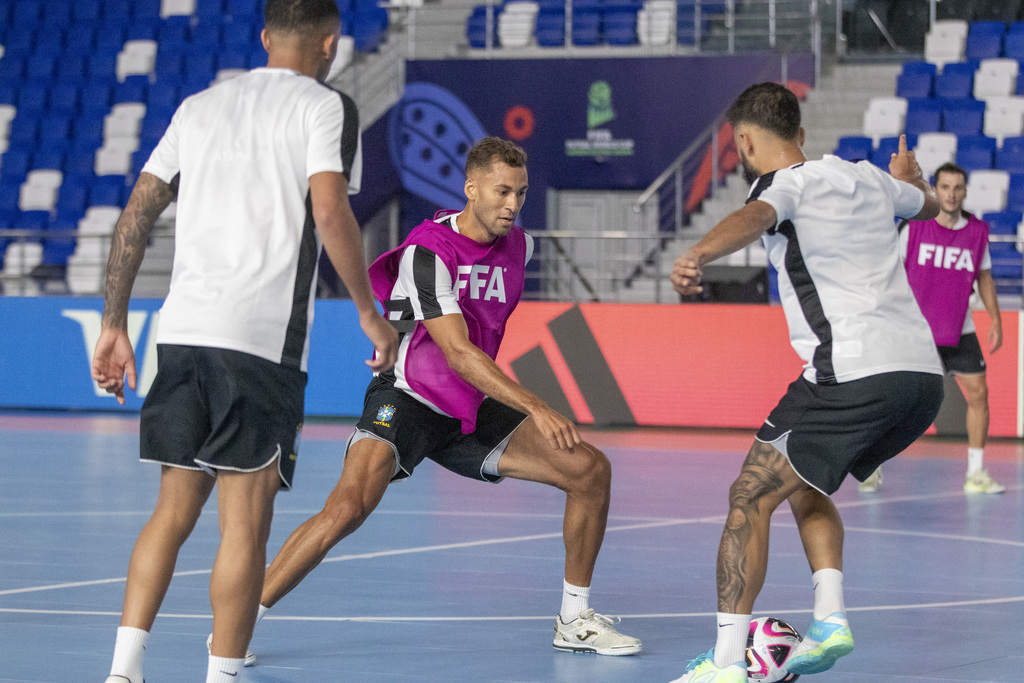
(987, 293)
(128, 246)
(734, 232)
(344, 246)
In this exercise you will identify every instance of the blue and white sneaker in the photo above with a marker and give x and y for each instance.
(825, 642)
(703, 670)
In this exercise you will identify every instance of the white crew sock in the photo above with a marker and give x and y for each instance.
(224, 670)
(575, 599)
(260, 613)
(975, 460)
(731, 645)
(129, 649)
(828, 592)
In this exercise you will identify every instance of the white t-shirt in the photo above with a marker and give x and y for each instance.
(849, 307)
(246, 251)
(986, 264)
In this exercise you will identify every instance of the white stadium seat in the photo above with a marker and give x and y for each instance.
(933, 150)
(986, 191)
(1004, 117)
(884, 117)
(944, 43)
(996, 78)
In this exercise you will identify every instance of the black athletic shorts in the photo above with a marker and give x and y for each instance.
(415, 432)
(965, 358)
(830, 430)
(215, 409)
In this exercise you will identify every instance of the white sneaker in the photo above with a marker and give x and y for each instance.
(981, 482)
(871, 484)
(250, 658)
(592, 632)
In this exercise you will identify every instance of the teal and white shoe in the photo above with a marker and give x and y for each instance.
(250, 658)
(825, 642)
(703, 670)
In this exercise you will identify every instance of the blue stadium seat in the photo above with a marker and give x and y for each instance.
(238, 36)
(619, 26)
(1013, 45)
(1015, 195)
(258, 58)
(586, 26)
(26, 15)
(95, 97)
(247, 8)
(141, 30)
(54, 127)
(168, 66)
(49, 44)
(115, 9)
(86, 11)
(963, 117)
(199, 66)
(12, 70)
(924, 115)
(110, 38)
(171, 32)
(955, 81)
(101, 65)
(1010, 157)
(975, 152)
(72, 196)
(14, 164)
(146, 9)
(32, 98)
(18, 43)
(209, 9)
(71, 68)
(133, 89)
(79, 43)
(550, 28)
(106, 191)
(64, 97)
(8, 94)
(40, 67)
(914, 83)
(853, 147)
(1002, 222)
(983, 45)
(24, 131)
(57, 248)
(163, 96)
(80, 162)
(57, 14)
(48, 159)
(205, 37)
(231, 60)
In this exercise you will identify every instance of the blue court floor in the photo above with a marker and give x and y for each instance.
(457, 581)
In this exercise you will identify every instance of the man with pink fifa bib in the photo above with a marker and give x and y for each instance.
(944, 258)
(449, 290)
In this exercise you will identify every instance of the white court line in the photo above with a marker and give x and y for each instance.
(546, 617)
(536, 537)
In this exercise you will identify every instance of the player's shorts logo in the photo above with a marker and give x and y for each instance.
(385, 414)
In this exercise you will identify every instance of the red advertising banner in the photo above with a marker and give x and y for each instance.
(703, 365)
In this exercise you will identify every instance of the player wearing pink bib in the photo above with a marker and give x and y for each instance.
(449, 290)
(944, 258)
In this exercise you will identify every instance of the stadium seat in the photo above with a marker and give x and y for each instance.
(1004, 117)
(1015, 193)
(1013, 45)
(853, 148)
(955, 81)
(996, 78)
(975, 152)
(654, 22)
(924, 115)
(1002, 222)
(986, 191)
(884, 117)
(586, 27)
(516, 23)
(169, 8)
(620, 26)
(984, 40)
(945, 42)
(915, 80)
(963, 117)
(933, 150)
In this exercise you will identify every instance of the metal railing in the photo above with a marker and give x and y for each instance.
(440, 31)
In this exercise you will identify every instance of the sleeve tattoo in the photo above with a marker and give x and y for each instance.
(128, 246)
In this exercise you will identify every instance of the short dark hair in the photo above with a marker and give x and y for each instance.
(769, 106)
(948, 167)
(492, 149)
(296, 16)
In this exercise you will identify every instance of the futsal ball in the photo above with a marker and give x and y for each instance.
(769, 643)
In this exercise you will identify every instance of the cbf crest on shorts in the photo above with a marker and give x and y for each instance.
(384, 415)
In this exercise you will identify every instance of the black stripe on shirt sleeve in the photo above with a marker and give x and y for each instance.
(349, 134)
(424, 272)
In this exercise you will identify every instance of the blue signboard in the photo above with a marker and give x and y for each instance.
(46, 348)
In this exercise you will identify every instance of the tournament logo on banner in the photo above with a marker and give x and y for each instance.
(600, 142)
